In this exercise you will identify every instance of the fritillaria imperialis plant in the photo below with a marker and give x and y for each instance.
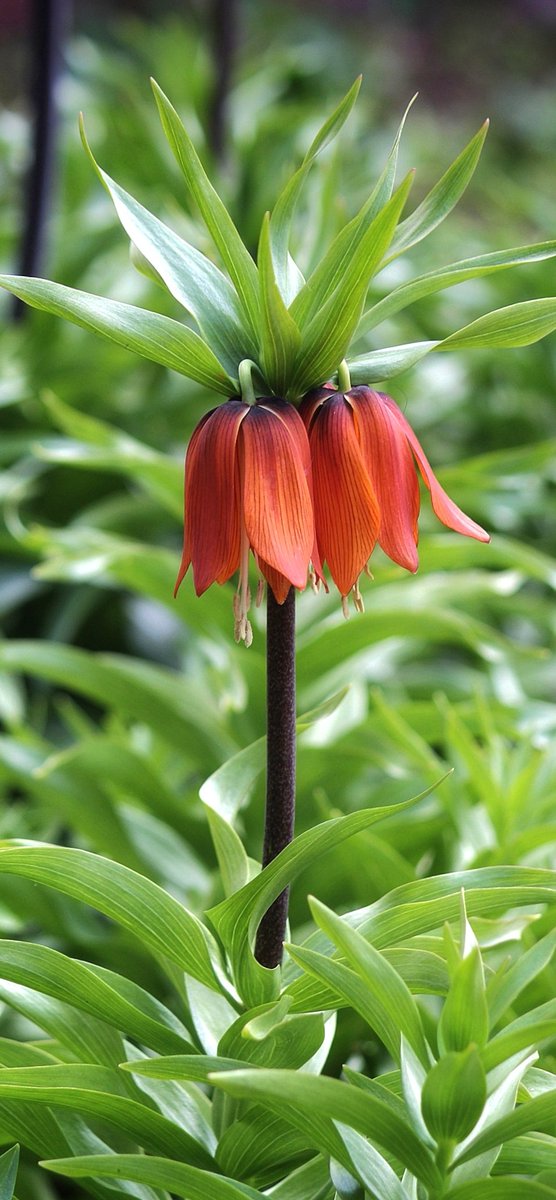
(300, 470)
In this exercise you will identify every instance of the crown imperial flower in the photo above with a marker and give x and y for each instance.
(248, 487)
(364, 455)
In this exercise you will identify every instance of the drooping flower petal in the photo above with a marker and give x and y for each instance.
(446, 510)
(347, 516)
(277, 505)
(296, 428)
(212, 498)
(391, 468)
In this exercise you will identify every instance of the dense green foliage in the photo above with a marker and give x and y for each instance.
(133, 726)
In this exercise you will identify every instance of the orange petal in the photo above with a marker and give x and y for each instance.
(279, 584)
(346, 511)
(391, 468)
(186, 554)
(296, 427)
(277, 505)
(212, 498)
(445, 509)
(313, 400)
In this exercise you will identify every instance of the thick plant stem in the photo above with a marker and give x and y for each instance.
(280, 764)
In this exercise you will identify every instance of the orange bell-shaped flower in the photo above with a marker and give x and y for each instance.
(248, 487)
(366, 489)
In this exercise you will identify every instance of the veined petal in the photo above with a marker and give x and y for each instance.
(391, 468)
(278, 583)
(212, 498)
(313, 400)
(277, 505)
(346, 511)
(445, 509)
(296, 428)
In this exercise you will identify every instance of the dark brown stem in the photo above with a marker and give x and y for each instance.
(280, 764)
(49, 19)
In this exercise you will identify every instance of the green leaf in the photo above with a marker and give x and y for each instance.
(464, 1017)
(190, 277)
(88, 1039)
(525, 1031)
(309, 1182)
(325, 339)
(502, 329)
(454, 1095)
(535, 1114)
(176, 1177)
(372, 985)
(194, 1067)
(236, 919)
(449, 276)
(261, 1146)
(235, 256)
(504, 987)
(372, 1169)
(81, 1089)
(516, 325)
(425, 904)
(335, 267)
(385, 184)
(442, 199)
(133, 901)
(280, 336)
(337, 1101)
(502, 1189)
(9, 1162)
(287, 277)
(146, 333)
(73, 982)
(385, 364)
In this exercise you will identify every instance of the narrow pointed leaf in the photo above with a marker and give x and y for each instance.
(47, 970)
(538, 1114)
(442, 199)
(146, 333)
(287, 277)
(326, 338)
(503, 329)
(516, 325)
(385, 184)
(179, 1178)
(446, 277)
(280, 336)
(379, 977)
(338, 1101)
(128, 898)
(9, 1162)
(502, 1189)
(199, 285)
(80, 1089)
(385, 364)
(234, 253)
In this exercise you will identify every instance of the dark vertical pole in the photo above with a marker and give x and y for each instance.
(280, 772)
(224, 37)
(48, 27)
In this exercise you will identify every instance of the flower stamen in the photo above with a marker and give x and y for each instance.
(357, 598)
(242, 599)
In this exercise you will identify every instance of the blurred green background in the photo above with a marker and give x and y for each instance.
(117, 702)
